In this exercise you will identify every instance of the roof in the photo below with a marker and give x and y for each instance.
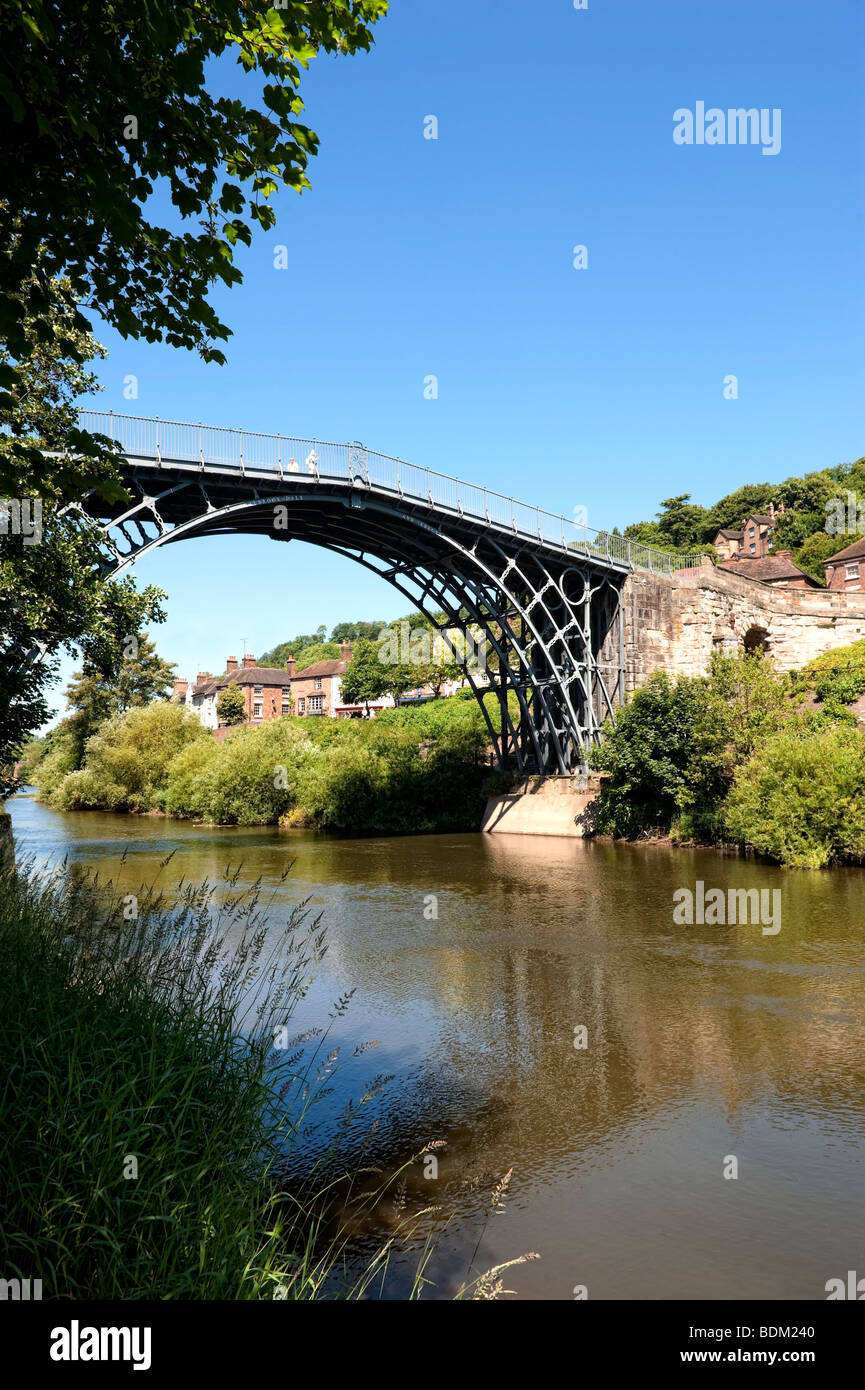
(769, 569)
(323, 668)
(854, 551)
(731, 535)
(763, 518)
(245, 675)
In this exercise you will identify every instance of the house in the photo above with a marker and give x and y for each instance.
(845, 568)
(777, 570)
(753, 538)
(317, 690)
(728, 543)
(266, 691)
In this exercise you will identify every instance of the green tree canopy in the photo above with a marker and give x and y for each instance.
(231, 705)
(366, 678)
(108, 105)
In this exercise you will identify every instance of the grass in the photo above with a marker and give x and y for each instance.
(148, 1122)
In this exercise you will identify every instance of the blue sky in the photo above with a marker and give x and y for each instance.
(600, 387)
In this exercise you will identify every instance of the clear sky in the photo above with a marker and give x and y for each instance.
(601, 387)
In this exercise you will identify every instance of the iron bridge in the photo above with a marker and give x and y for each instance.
(543, 591)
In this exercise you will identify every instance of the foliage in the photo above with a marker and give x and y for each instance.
(127, 760)
(800, 797)
(412, 769)
(231, 705)
(366, 678)
(684, 527)
(816, 548)
(710, 757)
(51, 593)
(83, 155)
(92, 697)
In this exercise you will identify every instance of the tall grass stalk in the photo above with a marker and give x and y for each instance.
(146, 1119)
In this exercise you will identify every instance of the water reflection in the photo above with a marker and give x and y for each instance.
(703, 1042)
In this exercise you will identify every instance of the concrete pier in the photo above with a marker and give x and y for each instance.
(541, 806)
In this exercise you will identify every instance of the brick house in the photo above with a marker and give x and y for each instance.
(753, 538)
(845, 568)
(778, 570)
(266, 691)
(317, 690)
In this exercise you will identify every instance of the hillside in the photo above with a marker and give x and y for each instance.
(686, 527)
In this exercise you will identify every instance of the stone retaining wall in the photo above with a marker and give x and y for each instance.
(675, 622)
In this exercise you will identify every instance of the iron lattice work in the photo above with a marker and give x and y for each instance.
(546, 598)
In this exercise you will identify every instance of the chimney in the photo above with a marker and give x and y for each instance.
(180, 688)
(289, 666)
(345, 651)
(248, 660)
(202, 677)
(231, 665)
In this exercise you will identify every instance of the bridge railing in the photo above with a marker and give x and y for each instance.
(142, 437)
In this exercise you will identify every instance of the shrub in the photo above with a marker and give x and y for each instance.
(800, 797)
(674, 747)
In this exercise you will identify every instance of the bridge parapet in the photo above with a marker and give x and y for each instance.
(315, 460)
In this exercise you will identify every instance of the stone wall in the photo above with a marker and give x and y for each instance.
(675, 623)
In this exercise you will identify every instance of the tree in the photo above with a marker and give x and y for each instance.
(92, 697)
(729, 513)
(815, 549)
(104, 103)
(51, 591)
(356, 632)
(231, 705)
(366, 678)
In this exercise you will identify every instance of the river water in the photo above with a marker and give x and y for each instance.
(708, 1048)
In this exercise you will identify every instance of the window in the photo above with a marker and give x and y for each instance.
(301, 706)
(286, 707)
(753, 549)
(316, 704)
(318, 682)
(751, 531)
(286, 691)
(256, 710)
(852, 571)
(258, 690)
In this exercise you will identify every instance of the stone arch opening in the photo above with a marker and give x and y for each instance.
(756, 641)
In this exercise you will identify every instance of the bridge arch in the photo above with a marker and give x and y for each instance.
(545, 593)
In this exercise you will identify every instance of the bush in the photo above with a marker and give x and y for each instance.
(800, 797)
(671, 755)
(127, 759)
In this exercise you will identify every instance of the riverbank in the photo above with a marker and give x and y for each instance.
(772, 762)
(409, 771)
(141, 1152)
(473, 957)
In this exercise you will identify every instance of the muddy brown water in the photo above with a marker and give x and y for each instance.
(704, 1044)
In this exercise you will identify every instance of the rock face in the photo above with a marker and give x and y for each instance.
(674, 623)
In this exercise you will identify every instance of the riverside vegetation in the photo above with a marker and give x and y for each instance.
(773, 762)
(153, 1128)
(409, 770)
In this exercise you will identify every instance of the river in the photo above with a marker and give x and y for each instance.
(704, 1044)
